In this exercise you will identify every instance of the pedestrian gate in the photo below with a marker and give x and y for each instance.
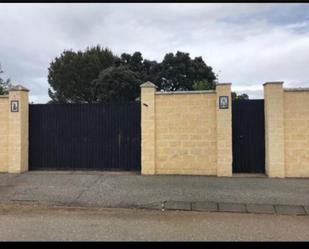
(85, 136)
(248, 136)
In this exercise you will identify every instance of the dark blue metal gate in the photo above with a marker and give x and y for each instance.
(85, 136)
(248, 136)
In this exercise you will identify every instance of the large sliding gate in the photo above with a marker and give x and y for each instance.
(85, 136)
(248, 136)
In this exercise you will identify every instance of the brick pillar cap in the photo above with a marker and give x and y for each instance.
(19, 88)
(273, 83)
(148, 84)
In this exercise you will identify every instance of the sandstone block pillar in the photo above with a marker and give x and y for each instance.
(274, 129)
(224, 130)
(148, 90)
(18, 120)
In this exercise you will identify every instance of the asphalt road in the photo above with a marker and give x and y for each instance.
(91, 224)
(101, 189)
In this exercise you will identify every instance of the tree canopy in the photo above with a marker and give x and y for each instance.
(203, 85)
(116, 84)
(71, 74)
(243, 96)
(180, 72)
(97, 75)
(4, 84)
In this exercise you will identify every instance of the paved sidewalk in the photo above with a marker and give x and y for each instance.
(200, 193)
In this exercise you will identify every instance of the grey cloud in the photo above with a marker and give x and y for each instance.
(243, 43)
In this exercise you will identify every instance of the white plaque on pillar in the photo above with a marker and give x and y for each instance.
(223, 102)
(14, 106)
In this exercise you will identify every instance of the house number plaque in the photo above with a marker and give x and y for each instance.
(14, 106)
(223, 102)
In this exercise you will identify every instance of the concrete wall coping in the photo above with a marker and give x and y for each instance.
(186, 92)
(19, 88)
(4, 96)
(273, 83)
(148, 84)
(223, 84)
(299, 89)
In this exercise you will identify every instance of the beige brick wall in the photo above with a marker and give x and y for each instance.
(180, 132)
(296, 133)
(274, 129)
(14, 128)
(148, 128)
(18, 132)
(4, 111)
(224, 132)
(286, 131)
(186, 133)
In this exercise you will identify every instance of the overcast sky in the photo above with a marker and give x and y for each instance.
(245, 44)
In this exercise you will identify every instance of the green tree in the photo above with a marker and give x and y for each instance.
(179, 72)
(4, 84)
(175, 72)
(71, 75)
(203, 85)
(142, 67)
(116, 84)
(243, 96)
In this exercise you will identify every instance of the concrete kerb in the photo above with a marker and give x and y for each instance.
(232, 207)
(306, 209)
(261, 208)
(178, 205)
(205, 206)
(202, 206)
(290, 210)
(250, 208)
